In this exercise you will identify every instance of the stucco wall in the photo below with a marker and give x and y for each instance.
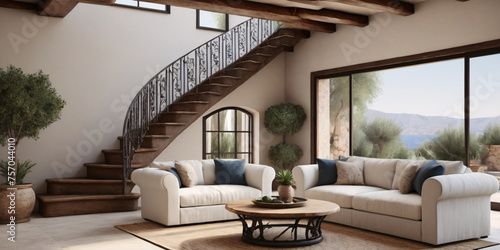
(436, 25)
(97, 58)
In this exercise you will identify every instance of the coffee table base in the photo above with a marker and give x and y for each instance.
(255, 233)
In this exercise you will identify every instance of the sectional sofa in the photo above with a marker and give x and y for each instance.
(167, 200)
(453, 206)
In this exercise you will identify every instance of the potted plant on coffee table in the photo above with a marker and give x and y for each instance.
(286, 183)
(28, 104)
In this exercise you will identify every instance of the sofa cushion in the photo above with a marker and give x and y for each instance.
(198, 169)
(174, 172)
(204, 195)
(407, 176)
(428, 170)
(230, 172)
(327, 171)
(208, 171)
(350, 173)
(340, 194)
(400, 166)
(378, 172)
(390, 202)
(453, 167)
(163, 165)
(186, 173)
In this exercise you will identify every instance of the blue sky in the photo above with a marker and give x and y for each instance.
(436, 89)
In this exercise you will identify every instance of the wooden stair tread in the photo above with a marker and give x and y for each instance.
(150, 136)
(105, 165)
(249, 61)
(226, 76)
(205, 93)
(182, 112)
(218, 84)
(167, 124)
(139, 150)
(64, 198)
(191, 102)
(85, 181)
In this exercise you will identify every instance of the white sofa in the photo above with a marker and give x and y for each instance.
(164, 202)
(453, 207)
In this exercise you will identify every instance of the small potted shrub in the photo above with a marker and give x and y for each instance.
(286, 183)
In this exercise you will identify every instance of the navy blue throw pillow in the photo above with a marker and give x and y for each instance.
(230, 172)
(174, 172)
(428, 170)
(327, 171)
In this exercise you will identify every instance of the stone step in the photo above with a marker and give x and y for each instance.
(83, 186)
(64, 205)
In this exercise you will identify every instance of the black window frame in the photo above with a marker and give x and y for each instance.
(166, 11)
(466, 52)
(200, 26)
(250, 133)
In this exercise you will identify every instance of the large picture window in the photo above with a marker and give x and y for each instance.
(228, 134)
(441, 108)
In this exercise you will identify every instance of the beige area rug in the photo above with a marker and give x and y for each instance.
(226, 235)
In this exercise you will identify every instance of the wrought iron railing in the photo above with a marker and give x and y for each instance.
(185, 74)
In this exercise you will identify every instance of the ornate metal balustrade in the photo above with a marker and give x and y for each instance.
(184, 74)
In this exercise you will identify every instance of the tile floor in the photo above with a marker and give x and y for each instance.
(97, 231)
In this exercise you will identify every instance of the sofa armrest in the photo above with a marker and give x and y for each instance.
(159, 195)
(260, 177)
(456, 207)
(306, 176)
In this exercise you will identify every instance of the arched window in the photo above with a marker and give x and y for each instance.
(228, 133)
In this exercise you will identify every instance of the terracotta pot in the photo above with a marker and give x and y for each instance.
(19, 205)
(285, 192)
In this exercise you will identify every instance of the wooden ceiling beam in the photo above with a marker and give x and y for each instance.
(331, 16)
(390, 6)
(18, 5)
(56, 8)
(300, 18)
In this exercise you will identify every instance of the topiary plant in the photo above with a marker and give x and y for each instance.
(283, 119)
(28, 104)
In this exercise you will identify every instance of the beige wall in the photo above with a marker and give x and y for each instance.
(96, 57)
(437, 24)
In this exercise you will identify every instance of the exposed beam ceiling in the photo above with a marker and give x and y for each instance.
(390, 6)
(299, 18)
(316, 15)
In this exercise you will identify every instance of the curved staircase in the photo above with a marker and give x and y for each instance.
(104, 189)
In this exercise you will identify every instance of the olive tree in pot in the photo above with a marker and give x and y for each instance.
(28, 104)
(284, 119)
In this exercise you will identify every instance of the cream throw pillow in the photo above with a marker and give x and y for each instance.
(350, 173)
(406, 178)
(186, 173)
(167, 165)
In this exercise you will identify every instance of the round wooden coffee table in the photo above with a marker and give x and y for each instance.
(307, 218)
